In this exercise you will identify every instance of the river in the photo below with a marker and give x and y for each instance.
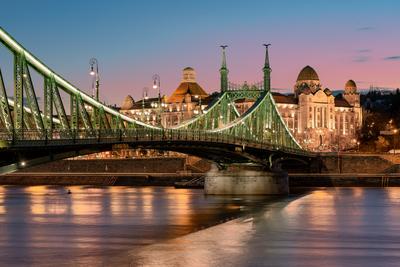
(162, 226)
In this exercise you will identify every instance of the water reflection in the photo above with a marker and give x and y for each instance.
(332, 227)
(46, 226)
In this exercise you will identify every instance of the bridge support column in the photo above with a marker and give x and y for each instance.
(245, 179)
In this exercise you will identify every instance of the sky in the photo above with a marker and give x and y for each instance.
(132, 40)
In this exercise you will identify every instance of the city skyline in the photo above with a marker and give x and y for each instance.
(341, 41)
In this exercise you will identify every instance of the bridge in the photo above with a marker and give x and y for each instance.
(33, 134)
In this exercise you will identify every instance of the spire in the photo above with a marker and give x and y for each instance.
(267, 70)
(224, 71)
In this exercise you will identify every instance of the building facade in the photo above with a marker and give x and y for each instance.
(319, 120)
(188, 100)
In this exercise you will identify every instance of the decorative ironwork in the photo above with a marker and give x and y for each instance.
(259, 86)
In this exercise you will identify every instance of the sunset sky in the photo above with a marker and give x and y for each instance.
(132, 40)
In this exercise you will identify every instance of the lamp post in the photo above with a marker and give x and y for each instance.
(94, 71)
(144, 97)
(156, 85)
(394, 140)
(199, 98)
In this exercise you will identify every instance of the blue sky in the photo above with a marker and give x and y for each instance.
(135, 39)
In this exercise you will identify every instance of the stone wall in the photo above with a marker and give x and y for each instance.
(143, 165)
(242, 179)
(348, 163)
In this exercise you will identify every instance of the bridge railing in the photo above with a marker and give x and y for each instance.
(36, 138)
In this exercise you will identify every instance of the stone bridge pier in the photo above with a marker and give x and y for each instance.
(245, 179)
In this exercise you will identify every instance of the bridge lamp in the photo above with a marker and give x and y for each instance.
(157, 85)
(94, 71)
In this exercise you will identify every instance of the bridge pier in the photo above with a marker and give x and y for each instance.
(245, 179)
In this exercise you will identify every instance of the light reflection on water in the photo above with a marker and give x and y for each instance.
(332, 227)
(149, 226)
(45, 226)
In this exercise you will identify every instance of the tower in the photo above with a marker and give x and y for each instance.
(267, 70)
(224, 71)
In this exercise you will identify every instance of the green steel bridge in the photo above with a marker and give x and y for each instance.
(31, 134)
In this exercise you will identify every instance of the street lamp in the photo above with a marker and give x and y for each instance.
(145, 90)
(94, 71)
(394, 140)
(156, 85)
(199, 98)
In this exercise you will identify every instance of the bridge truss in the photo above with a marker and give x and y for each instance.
(85, 112)
(89, 122)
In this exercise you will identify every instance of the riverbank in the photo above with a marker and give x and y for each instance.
(171, 179)
(98, 179)
(344, 179)
(178, 171)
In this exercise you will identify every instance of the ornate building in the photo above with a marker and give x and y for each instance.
(319, 120)
(188, 100)
(145, 109)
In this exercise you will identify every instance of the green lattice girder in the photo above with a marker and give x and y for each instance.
(5, 112)
(105, 117)
(18, 93)
(262, 123)
(220, 112)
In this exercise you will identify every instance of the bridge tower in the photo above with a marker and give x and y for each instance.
(267, 70)
(224, 71)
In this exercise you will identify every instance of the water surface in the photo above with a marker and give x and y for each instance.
(45, 226)
(330, 227)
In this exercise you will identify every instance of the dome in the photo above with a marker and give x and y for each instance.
(307, 73)
(188, 68)
(128, 103)
(350, 87)
(186, 88)
(351, 83)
